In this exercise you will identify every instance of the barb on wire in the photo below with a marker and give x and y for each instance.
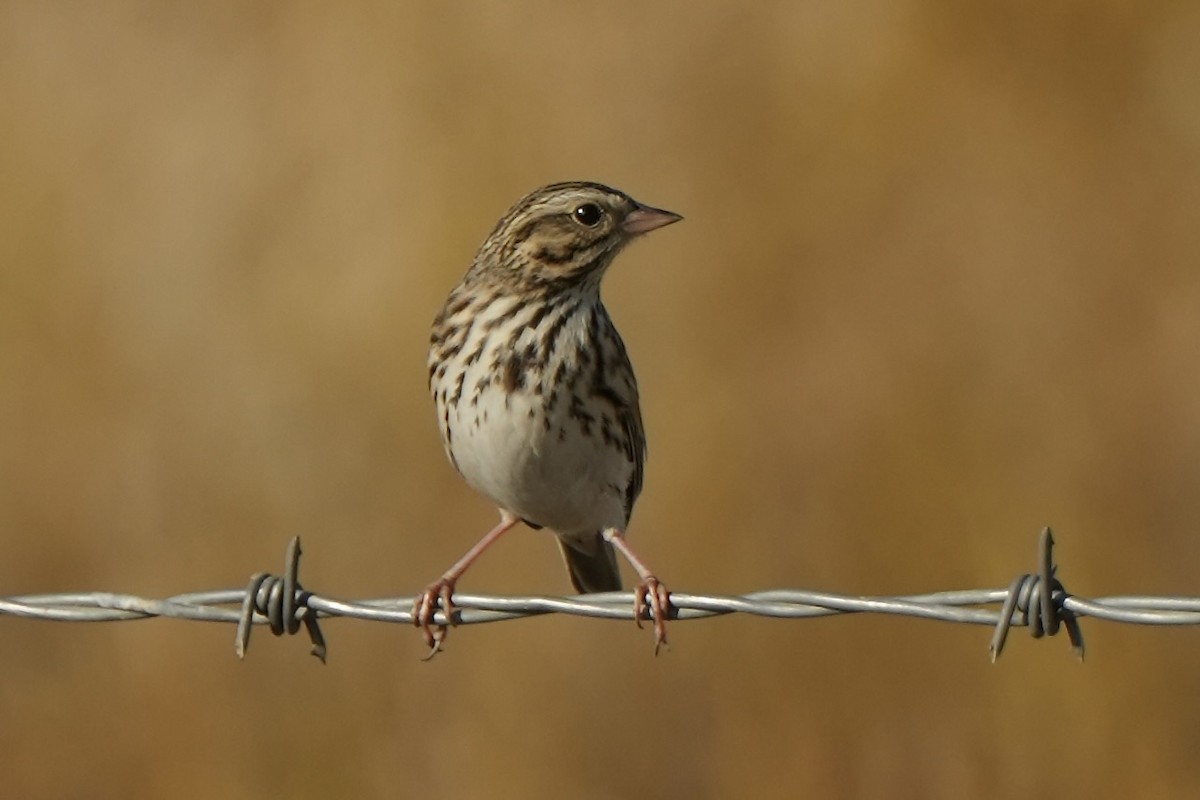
(1037, 601)
(283, 602)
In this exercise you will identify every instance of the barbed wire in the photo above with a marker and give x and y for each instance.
(1037, 601)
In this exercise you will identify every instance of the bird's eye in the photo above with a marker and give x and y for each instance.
(588, 214)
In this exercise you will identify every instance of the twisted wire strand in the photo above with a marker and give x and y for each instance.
(1037, 601)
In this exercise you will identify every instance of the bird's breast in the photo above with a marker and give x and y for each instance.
(525, 429)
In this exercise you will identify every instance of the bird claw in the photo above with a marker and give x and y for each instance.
(658, 608)
(425, 606)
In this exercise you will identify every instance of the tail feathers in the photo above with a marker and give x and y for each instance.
(592, 572)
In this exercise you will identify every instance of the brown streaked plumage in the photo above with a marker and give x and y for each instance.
(536, 399)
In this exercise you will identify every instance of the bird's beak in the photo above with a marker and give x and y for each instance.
(644, 219)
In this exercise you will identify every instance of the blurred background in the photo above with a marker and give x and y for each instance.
(936, 288)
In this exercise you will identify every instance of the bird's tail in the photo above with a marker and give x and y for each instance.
(592, 572)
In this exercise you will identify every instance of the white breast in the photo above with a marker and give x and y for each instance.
(535, 462)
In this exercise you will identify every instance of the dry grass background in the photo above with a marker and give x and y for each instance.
(936, 287)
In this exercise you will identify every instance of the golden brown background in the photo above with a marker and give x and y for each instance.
(936, 287)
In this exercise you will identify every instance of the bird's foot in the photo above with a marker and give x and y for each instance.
(425, 606)
(652, 595)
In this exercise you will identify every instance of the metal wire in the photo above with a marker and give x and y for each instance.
(1037, 601)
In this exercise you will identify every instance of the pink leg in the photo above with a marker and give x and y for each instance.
(648, 587)
(442, 590)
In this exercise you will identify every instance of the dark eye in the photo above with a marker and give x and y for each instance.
(588, 214)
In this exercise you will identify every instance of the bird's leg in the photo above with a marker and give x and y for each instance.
(648, 587)
(441, 591)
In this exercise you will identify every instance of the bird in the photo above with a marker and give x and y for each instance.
(536, 399)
